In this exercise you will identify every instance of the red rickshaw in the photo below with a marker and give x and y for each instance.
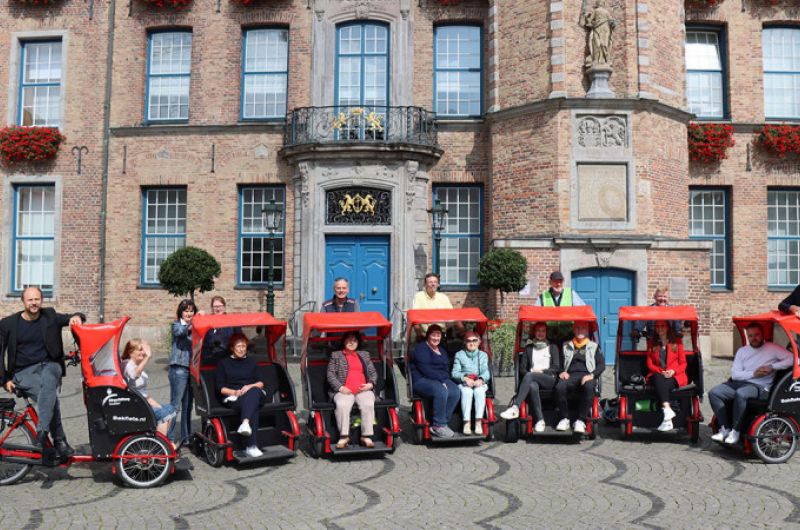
(523, 426)
(322, 334)
(122, 425)
(631, 370)
(771, 426)
(422, 408)
(278, 428)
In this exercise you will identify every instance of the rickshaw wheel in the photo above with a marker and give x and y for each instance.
(144, 461)
(775, 440)
(11, 472)
(419, 435)
(489, 433)
(512, 431)
(694, 431)
(593, 435)
(623, 430)
(213, 455)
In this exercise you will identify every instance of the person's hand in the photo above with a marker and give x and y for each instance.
(563, 376)
(365, 387)
(345, 390)
(146, 349)
(469, 382)
(763, 370)
(669, 373)
(586, 378)
(74, 320)
(478, 382)
(10, 386)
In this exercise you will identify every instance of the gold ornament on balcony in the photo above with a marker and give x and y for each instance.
(353, 118)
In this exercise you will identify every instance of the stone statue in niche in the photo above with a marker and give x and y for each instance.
(601, 24)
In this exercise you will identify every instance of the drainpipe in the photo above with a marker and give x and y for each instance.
(104, 165)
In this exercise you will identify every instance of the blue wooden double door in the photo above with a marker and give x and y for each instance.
(364, 261)
(606, 290)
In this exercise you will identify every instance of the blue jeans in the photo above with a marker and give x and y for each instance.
(180, 397)
(445, 398)
(164, 413)
(40, 383)
(467, 394)
(737, 392)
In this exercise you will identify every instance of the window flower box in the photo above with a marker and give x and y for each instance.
(168, 4)
(709, 142)
(779, 140)
(704, 3)
(29, 144)
(38, 2)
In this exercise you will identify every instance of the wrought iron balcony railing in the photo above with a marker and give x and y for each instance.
(360, 124)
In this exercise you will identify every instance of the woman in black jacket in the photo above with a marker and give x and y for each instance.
(538, 368)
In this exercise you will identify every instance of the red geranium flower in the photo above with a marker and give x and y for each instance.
(29, 144)
(709, 142)
(779, 140)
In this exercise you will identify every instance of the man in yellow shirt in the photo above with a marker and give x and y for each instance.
(431, 298)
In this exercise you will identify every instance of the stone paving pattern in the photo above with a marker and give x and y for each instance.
(652, 481)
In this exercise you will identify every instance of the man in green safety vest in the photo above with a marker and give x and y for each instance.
(557, 296)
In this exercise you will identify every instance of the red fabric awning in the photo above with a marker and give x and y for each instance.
(581, 313)
(339, 322)
(433, 316)
(653, 312)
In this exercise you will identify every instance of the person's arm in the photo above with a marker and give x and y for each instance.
(785, 358)
(63, 320)
(483, 366)
(791, 304)
(599, 363)
(333, 366)
(372, 373)
(458, 370)
(738, 371)
(523, 363)
(422, 362)
(681, 358)
(179, 329)
(356, 306)
(652, 367)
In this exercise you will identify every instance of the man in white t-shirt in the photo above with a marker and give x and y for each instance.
(751, 377)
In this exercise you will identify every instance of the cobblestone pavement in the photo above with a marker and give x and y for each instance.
(654, 482)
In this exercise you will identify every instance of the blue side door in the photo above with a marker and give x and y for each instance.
(606, 290)
(364, 261)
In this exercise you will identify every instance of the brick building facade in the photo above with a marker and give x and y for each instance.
(194, 119)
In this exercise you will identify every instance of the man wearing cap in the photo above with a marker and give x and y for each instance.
(559, 296)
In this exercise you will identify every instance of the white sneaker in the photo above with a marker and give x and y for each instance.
(244, 429)
(539, 426)
(732, 437)
(668, 414)
(666, 425)
(253, 451)
(479, 427)
(579, 427)
(467, 430)
(563, 425)
(511, 413)
(722, 433)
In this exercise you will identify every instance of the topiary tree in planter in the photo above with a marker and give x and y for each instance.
(187, 270)
(503, 269)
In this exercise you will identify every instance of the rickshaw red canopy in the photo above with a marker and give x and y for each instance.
(340, 322)
(99, 344)
(789, 323)
(432, 316)
(581, 313)
(275, 329)
(652, 312)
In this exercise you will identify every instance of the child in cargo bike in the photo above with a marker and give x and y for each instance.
(135, 357)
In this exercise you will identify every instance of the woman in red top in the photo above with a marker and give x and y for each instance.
(666, 362)
(352, 378)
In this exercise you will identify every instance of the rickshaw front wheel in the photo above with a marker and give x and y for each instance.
(775, 440)
(512, 431)
(213, 454)
(12, 472)
(144, 461)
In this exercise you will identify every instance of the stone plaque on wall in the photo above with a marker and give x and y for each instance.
(679, 288)
(358, 206)
(602, 192)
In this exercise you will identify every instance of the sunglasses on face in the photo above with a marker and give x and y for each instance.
(473, 340)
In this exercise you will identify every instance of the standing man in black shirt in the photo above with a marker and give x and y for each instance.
(32, 359)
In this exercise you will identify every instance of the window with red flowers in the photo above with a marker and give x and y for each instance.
(709, 142)
(29, 144)
(779, 140)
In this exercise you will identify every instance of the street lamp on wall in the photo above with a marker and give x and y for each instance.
(271, 216)
(438, 218)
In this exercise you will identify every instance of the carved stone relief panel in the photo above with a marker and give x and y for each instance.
(602, 132)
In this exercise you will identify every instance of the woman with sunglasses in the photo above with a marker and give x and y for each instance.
(471, 371)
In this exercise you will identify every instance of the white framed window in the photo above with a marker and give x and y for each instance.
(39, 102)
(34, 234)
(708, 219)
(781, 73)
(783, 237)
(254, 252)
(705, 75)
(462, 237)
(458, 76)
(265, 73)
(169, 62)
(163, 228)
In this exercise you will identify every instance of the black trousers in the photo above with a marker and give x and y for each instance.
(529, 389)
(565, 386)
(248, 406)
(662, 385)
